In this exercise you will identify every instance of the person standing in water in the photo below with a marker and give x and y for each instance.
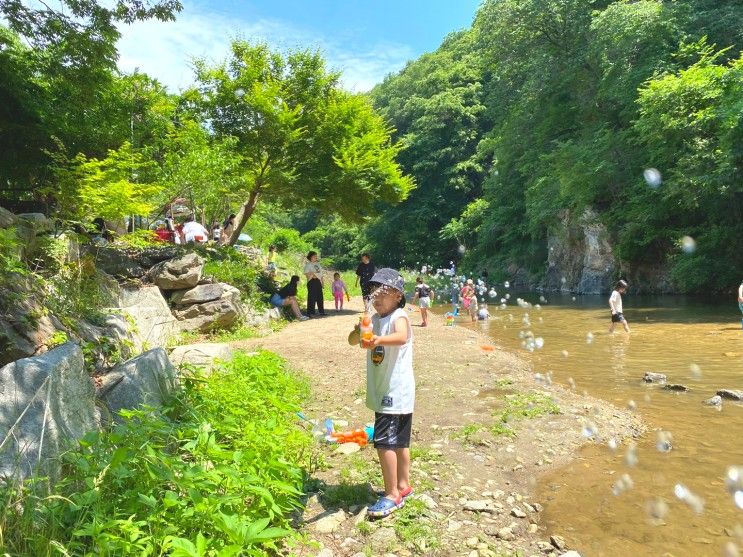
(424, 295)
(615, 304)
(740, 301)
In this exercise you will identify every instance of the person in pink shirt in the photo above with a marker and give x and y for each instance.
(339, 288)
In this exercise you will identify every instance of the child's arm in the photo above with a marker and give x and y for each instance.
(398, 338)
(354, 337)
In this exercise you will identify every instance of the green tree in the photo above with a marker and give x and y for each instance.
(302, 140)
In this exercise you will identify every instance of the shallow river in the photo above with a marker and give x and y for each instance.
(669, 334)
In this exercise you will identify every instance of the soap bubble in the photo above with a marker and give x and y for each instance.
(539, 342)
(571, 382)
(613, 445)
(542, 299)
(630, 457)
(730, 550)
(508, 296)
(696, 371)
(461, 248)
(652, 177)
(507, 284)
(632, 405)
(563, 280)
(657, 510)
(564, 353)
(624, 483)
(734, 484)
(590, 430)
(685, 494)
(589, 338)
(688, 244)
(492, 293)
(664, 442)
(573, 298)
(240, 93)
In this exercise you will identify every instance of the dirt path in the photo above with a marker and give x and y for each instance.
(474, 474)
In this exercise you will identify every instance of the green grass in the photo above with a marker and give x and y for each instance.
(522, 406)
(415, 527)
(362, 467)
(465, 433)
(218, 472)
(346, 494)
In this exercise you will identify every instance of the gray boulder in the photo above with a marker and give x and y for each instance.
(7, 219)
(115, 262)
(154, 325)
(178, 274)
(713, 401)
(46, 403)
(730, 394)
(38, 221)
(202, 355)
(149, 379)
(218, 314)
(197, 295)
(677, 387)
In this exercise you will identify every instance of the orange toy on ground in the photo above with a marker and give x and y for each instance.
(356, 436)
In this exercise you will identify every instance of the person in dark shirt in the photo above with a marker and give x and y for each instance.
(364, 273)
(287, 296)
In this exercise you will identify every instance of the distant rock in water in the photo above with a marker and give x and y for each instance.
(714, 401)
(652, 377)
(730, 394)
(676, 387)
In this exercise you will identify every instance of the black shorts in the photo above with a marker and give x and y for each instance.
(617, 317)
(392, 431)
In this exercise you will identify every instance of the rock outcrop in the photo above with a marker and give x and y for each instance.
(149, 379)
(200, 355)
(178, 274)
(46, 403)
(221, 313)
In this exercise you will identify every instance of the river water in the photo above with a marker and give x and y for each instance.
(696, 344)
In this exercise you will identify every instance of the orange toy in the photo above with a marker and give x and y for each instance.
(487, 348)
(356, 436)
(366, 328)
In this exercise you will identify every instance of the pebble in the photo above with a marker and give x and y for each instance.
(360, 516)
(427, 500)
(571, 553)
(330, 523)
(533, 528)
(558, 542)
(714, 401)
(518, 513)
(676, 387)
(546, 547)
(348, 448)
(472, 542)
(453, 526)
(479, 506)
(506, 534)
(651, 377)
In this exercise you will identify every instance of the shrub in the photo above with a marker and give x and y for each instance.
(217, 473)
(288, 239)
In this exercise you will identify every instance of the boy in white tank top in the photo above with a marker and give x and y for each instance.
(390, 387)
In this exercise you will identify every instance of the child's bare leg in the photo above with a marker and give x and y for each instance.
(626, 325)
(388, 462)
(424, 315)
(403, 468)
(295, 308)
(611, 327)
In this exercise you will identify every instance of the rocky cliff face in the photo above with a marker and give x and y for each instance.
(581, 260)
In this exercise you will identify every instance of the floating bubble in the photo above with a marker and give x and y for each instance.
(461, 248)
(613, 445)
(696, 371)
(571, 382)
(685, 494)
(664, 442)
(590, 430)
(624, 483)
(652, 177)
(564, 353)
(240, 93)
(539, 342)
(563, 280)
(507, 284)
(734, 484)
(630, 457)
(730, 550)
(492, 293)
(647, 398)
(632, 405)
(543, 299)
(589, 338)
(657, 510)
(508, 296)
(573, 298)
(688, 244)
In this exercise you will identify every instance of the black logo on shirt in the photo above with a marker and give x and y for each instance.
(386, 401)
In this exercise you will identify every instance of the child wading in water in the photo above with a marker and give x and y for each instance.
(390, 387)
(424, 296)
(339, 288)
(615, 303)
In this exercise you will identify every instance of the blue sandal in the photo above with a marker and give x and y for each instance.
(384, 507)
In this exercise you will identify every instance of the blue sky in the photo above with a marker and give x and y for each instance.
(366, 40)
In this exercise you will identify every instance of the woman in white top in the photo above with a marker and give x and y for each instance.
(194, 232)
(313, 272)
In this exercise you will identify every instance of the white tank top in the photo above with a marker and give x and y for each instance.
(390, 384)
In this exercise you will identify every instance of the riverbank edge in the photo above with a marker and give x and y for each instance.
(469, 377)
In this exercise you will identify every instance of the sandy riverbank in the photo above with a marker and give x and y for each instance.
(474, 481)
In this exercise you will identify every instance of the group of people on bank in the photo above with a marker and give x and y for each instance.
(315, 277)
(191, 231)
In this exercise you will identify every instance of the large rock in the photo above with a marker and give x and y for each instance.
(38, 221)
(218, 314)
(652, 377)
(154, 325)
(178, 274)
(115, 262)
(201, 355)
(112, 339)
(197, 295)
(7, 219)
(730, 394)
(46, 403)
(149, 257)
(149, 379)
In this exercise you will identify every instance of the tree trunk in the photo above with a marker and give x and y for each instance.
(246, 210)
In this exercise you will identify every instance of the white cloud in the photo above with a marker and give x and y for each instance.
(165, 50)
